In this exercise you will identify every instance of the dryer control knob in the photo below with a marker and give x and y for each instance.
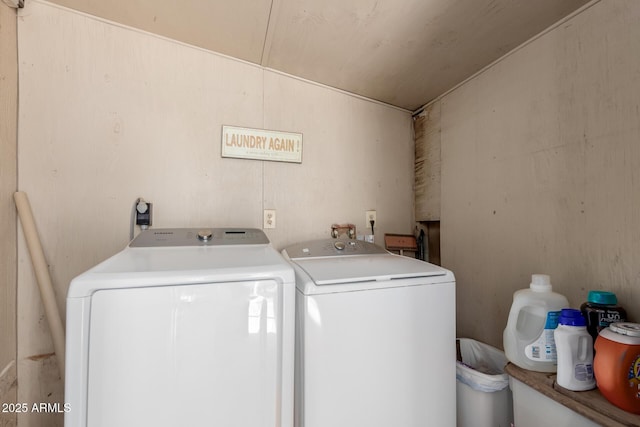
(205, 235)
(339, 246)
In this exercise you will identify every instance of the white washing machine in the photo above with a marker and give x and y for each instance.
(375, 338)
(184, 327)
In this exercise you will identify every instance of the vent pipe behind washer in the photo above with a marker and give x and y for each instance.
(42, 276)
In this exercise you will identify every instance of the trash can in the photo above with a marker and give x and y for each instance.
(483, 396)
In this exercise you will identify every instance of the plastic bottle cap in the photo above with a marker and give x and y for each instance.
(602, 297)
(625, 328)
(540, 283)
(571, 317)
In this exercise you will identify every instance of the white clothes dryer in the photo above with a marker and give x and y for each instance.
(375, 337)
(184, 327)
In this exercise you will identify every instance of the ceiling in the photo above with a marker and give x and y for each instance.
(401, 52)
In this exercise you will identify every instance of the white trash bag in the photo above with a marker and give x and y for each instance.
(481, 366)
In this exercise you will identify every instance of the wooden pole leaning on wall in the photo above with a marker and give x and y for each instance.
(42, 276)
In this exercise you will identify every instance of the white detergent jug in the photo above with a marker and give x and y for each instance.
(528, 338)
(575, 352)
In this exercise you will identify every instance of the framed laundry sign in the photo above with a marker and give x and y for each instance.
(261, 144)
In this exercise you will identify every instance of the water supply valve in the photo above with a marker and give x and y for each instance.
(348, 229)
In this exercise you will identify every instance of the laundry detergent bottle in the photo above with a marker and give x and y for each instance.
(575, 352)
(617, 365)
(528, 339)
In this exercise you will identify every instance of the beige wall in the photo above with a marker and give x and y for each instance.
(108, 114)
(541, 170)
(8, 185)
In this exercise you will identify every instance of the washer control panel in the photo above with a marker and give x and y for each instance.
(332, 247)
(199, 237)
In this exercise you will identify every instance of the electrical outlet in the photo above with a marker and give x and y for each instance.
(269, 218)
(370, 215)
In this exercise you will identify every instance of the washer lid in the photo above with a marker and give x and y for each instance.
(366, 268)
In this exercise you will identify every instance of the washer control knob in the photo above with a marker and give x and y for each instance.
(339, 246)
(205, 235)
